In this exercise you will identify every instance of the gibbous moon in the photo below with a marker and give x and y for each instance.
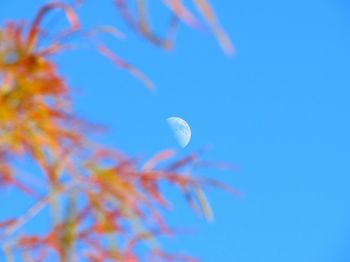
(181, 130)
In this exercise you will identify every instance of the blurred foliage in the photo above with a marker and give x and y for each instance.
(111, 203)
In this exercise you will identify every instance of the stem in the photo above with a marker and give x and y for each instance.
(33, 211)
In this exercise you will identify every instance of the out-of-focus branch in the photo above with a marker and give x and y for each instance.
(33, 211)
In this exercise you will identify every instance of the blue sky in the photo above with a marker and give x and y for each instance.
(279, 109)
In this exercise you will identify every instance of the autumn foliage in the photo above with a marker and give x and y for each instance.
(104, 205)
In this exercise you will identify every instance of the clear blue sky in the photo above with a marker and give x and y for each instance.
(279, 109)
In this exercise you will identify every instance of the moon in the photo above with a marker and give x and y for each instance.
(181, 130)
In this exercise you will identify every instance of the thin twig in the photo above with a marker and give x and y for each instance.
(33, 211)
